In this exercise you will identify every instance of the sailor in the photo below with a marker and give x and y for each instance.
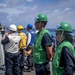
(63, 62)
(30, 44)
(42, 51)
(11, 41)
(22, 47)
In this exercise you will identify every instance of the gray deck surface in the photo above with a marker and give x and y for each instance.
(25, 73)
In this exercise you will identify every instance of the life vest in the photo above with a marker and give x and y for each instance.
(13, 45)
(23, 40)
(57, 70)
(32, 37)
(39, 53)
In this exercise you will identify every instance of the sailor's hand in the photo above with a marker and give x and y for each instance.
(6, 34)
(27, 53)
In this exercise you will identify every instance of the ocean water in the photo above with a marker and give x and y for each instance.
(50, 30)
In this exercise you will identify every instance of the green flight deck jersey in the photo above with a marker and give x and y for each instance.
(57, 70)
(39, 53)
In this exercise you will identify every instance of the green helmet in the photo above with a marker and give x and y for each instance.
(64, 26)
(41, 17)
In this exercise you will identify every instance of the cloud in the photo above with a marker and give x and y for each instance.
(2, 5)
(24, 11)
(11, 12)
(67, 10)
(67, 3)
(59, 15)
(29, 0)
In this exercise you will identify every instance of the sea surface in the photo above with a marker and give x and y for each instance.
(50, 30)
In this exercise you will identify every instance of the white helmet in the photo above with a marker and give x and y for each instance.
(13, 27)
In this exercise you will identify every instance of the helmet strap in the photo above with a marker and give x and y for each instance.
(61, 35)
(39, 25)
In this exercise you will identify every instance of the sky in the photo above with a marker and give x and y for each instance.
(23, 12)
